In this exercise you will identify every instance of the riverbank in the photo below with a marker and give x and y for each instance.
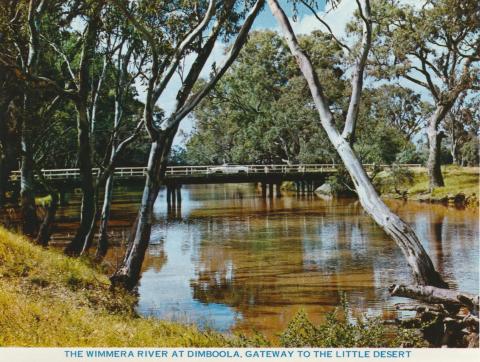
(461, 187)
(48, 300)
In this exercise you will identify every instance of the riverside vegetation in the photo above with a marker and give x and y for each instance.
(49, 299)
(69, 98)
(461, 185)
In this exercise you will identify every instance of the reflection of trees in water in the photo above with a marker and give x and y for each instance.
(155, 258)
(436, 227)
(285, 260)
(269, 258)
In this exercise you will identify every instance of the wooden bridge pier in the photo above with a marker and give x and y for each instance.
(271, 189)
(174, 196)
(305, 187)
(278, 190)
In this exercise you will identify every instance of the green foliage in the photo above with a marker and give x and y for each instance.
(340, 329)
(381, 146)
(341, 182)
(396, 179)
(470, 152)
(261, 111)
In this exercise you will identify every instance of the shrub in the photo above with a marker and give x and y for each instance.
(340, 329)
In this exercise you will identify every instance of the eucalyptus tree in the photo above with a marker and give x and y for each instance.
(191, 32)
(23, 48)
(273, 121)
(422, 267)
(434, 45)
(461, 128)
(400, 107)
(71, 33)
(127, 60)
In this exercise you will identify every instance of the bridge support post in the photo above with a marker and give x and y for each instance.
(264, 190)
(179, 195)
(173, 197)
(278, 189)
(63, 198)
(270, 190)
(169, 196)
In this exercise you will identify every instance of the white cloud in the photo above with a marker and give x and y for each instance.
(336, 18)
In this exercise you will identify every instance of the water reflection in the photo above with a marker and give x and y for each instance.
(228, 259)
(234, 261)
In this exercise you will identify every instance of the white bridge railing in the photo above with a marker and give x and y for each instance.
(74, 173)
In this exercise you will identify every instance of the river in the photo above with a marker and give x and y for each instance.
(231, 261)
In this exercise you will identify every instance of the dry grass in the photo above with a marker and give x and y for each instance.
(47, 299)
(457, 179)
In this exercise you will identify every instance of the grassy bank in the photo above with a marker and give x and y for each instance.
(48, 299)
(458, 180)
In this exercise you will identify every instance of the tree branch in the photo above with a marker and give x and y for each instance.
(230, 58)
(180, 50)
(358, 72)
(325, 24)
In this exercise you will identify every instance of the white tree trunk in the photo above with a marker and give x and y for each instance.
(422, 267)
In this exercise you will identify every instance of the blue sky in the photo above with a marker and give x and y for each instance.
(265, 19)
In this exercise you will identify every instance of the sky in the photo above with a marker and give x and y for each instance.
(304, 24)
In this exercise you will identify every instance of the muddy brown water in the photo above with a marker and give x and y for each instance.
(231, 261)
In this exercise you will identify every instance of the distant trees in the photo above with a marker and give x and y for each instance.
(275, 122)
(434, 45)
(260, 112)
(461, 128)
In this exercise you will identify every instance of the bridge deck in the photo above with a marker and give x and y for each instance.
(211, 174)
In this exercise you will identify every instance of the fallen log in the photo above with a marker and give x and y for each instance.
(433, 295)
(440, 320)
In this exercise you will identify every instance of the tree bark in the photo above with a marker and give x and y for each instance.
(422, 267)
(27, 179)
(88, 208)
(102, 246)
(128, 274)
(435, 176)
(434, 295)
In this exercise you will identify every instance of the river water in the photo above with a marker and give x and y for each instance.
(231, 261)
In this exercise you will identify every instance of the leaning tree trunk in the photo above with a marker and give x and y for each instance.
(88, 208)
(102, 246)
(128, 274)
(422, 267)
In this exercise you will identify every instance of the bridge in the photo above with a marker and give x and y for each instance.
(306, 176)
